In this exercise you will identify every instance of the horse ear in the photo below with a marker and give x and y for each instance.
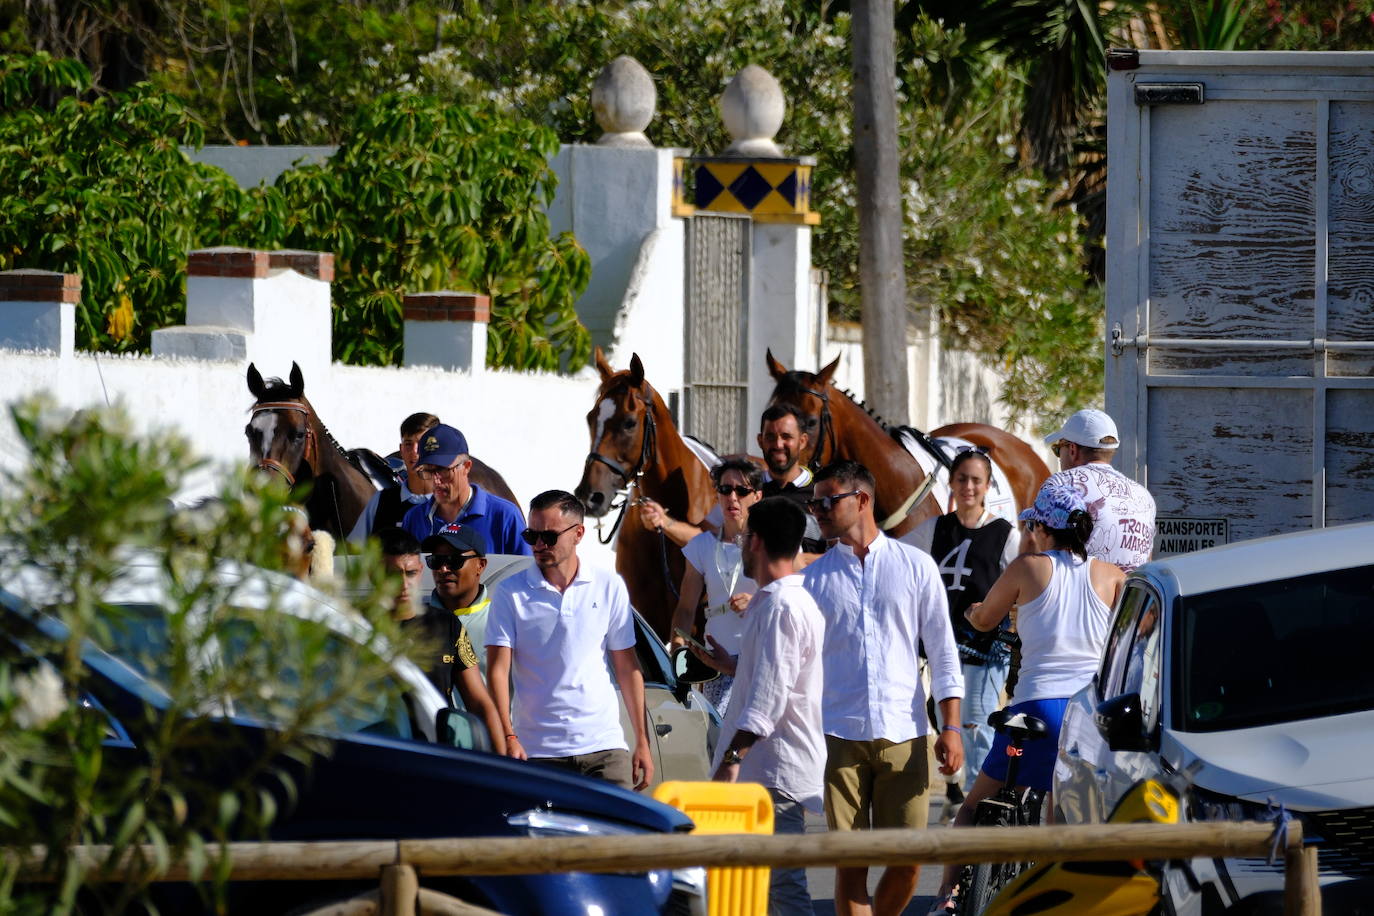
(636, 370)
(603, 365)
(255, 383)
(775, 368)
(825, 375)
(297, 380)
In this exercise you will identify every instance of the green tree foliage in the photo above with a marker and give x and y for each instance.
(93, 498)
(423, 196)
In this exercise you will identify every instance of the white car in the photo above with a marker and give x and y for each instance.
(1245, 671)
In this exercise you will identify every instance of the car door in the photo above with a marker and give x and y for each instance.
(1090, 776)
(681, 727)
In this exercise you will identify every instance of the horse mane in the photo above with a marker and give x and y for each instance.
(278, 390)
(800, 381)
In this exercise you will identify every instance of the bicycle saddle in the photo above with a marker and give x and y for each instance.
(1018, 725)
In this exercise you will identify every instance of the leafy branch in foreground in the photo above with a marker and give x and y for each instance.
(111, 593)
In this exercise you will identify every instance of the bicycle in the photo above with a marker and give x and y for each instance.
(1012, 806)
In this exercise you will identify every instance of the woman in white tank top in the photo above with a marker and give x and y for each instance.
(1065, 602)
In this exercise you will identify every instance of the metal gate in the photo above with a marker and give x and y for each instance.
(717, 330)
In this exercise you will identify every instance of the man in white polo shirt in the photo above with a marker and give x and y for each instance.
(549, 633)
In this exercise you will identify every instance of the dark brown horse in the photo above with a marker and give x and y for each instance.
(635, 448)
(838, 428)
(287, 437)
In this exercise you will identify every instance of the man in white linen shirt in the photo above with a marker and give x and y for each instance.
(881, 600)
(553, 628)
(772, 730)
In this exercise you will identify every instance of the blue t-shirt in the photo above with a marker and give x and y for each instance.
(499, 520)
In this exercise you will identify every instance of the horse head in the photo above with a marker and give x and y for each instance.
(810, 394)
(622, 428)
(281, 437)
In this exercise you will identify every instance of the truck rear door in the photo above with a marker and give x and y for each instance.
(1240, 288)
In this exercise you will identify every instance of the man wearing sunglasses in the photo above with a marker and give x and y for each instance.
(882, 600)
(550, 632)
(1123, 511)
(444, 462)
(437, 628)
(457, 560)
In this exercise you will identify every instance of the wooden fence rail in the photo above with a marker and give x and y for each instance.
(537, 855)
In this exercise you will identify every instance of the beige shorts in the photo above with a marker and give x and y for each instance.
(877, 783)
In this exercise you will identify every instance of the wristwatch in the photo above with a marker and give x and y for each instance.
(732, 757)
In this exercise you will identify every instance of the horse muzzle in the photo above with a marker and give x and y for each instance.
(276, 467)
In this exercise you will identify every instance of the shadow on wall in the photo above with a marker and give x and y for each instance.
(974, 396)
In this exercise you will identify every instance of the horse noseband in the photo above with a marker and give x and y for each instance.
(272, 464)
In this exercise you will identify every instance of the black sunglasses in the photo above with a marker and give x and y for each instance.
(549, 538)
(741, 492)
(448, 560)
(826, 503)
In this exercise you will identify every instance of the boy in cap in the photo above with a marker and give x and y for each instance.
(456, 501)
(453, 665)
(457, 560)
(1123, 512)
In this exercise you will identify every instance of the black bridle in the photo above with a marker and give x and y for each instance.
(647, 447)
(825, 425)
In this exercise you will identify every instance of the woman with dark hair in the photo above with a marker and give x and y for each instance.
(1065, 603)
(715, 566)
(972, 547)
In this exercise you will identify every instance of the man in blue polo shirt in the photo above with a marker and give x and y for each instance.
(445, 463)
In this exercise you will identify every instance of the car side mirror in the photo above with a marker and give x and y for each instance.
(460, 728)
(1121, 722)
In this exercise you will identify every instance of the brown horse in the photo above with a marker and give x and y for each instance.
(838, 428)
(635, 447)
(287, 437)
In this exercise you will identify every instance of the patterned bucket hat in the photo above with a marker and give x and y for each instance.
(1053, 505)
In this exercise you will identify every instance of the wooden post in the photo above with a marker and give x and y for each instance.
(1301, 889)
(882, 265)
(400, 887)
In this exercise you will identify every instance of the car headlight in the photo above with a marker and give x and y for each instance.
(688, 884)
(542, 822)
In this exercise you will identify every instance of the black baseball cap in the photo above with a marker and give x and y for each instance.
(462, 538)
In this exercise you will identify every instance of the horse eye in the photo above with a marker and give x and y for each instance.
(297, 435)
(629, 424)
(811, 421)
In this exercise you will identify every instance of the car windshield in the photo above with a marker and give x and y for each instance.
(1276, 651)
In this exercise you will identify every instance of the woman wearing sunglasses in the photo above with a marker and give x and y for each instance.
(1065, 604)
(714, 565)
(972, 547)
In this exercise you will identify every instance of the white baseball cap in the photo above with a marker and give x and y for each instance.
(1090, 428)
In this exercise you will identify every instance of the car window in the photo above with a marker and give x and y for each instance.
(1275, 651)
(1142, 659)
(1119, 639)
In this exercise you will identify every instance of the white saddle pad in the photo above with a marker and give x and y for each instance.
(1000, 500)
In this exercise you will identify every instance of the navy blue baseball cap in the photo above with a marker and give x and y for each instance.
(462, 538)
(443, 446)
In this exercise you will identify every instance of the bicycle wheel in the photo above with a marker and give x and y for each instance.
(985, 880)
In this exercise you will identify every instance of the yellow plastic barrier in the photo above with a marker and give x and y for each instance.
(725, 807)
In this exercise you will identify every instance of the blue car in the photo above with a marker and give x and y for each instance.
(384, 781)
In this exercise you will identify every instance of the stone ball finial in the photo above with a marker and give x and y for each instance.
(752, 108)
(624, 98)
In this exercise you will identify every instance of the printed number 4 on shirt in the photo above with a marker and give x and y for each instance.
(957, 572)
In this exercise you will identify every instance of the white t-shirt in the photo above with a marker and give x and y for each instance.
(777, 693)
(565, 699)
(722, 567)
(1123, 513)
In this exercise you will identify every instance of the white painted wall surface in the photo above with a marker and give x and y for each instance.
(254, 165)
(529, 426)
(650, 317)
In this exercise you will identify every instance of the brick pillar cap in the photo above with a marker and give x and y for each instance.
(30, 285)
(447, 305)
(316, 264)
(227, 261)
